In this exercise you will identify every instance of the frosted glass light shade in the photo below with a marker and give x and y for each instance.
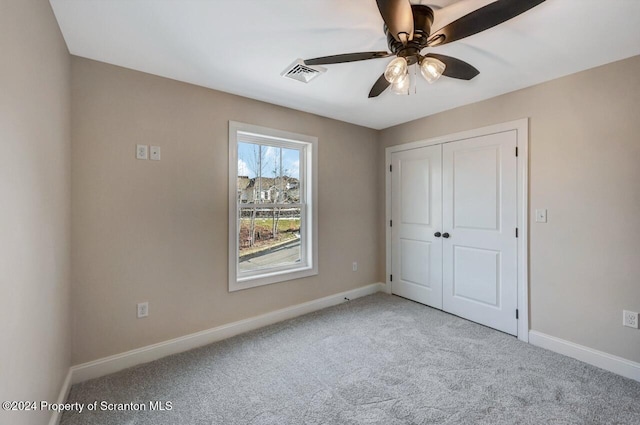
(431, 69)
(402, 85)
(396, 70)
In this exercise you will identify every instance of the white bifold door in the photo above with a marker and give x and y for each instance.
(453, 229)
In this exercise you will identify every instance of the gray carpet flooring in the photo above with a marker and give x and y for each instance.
(375, 360)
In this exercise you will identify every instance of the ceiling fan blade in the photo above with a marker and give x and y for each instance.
(347, 57)
(481, 19)
(380, 86)
(398, 17)
(455, 68)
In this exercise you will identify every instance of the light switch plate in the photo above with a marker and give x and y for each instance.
(142, 151)
(541, 216)
(155, 153)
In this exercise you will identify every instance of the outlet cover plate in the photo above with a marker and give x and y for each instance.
(143, 309)
(142, 152)
(630, 319)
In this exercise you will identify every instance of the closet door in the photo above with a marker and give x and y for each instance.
(479, 213)
(416, 212)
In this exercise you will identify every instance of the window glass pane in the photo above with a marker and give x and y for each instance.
(250, 166)
(268, 174)
(290, 176)
(268, 238)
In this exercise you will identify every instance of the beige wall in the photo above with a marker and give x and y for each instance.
(157, 231)
(584, 156)
(34, 207)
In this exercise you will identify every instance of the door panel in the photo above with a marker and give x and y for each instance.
(415, 208)
(414, 267)
(477, 188)
(477, 275)
(479, 213)
(416, 211)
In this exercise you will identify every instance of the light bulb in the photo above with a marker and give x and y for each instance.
(396, 69)
(402, 85)
(431, 69)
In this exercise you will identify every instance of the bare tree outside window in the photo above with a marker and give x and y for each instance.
(253, 161)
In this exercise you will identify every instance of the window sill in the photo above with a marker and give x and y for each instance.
(270, 278)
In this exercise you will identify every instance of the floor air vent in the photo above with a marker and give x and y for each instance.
(300, 72)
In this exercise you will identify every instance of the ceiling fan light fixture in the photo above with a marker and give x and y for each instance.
(396, 70)
(431, 69)
(401, 86)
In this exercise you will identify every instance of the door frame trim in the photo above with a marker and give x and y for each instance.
(521, 127)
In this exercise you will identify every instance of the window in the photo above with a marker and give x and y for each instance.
(272, 206)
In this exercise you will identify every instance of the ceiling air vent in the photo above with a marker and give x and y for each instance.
(300, 72)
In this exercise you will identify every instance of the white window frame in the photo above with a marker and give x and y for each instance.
(309, 209)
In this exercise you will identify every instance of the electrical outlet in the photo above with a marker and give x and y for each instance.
(143, 309)
(142, 151)
(355, 266)
(630, 319)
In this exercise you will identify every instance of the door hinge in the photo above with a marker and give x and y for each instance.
(390, 168)
(390, 278)
(516, 151)
(390, 223)
(516, 232)
(517, 314)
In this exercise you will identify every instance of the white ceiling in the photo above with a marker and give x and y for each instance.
(242, 46)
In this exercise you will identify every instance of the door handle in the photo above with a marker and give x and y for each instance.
(437, 234)
(445, 235)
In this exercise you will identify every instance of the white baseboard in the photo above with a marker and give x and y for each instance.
(117, 362)
(62, 397)
(606, 361)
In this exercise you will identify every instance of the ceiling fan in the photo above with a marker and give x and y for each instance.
(408, 30)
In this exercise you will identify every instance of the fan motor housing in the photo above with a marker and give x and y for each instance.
(422, 21)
